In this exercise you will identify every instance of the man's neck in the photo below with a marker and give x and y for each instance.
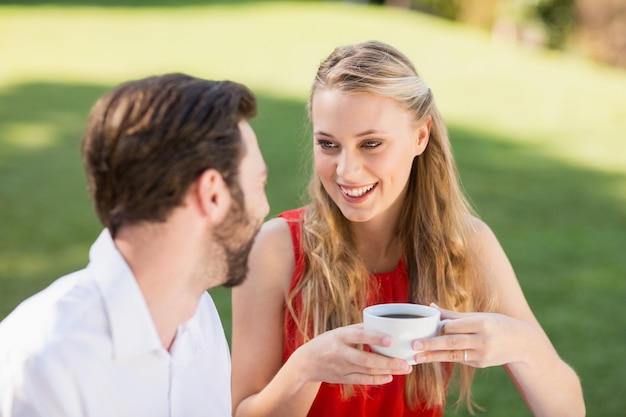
(162, 262)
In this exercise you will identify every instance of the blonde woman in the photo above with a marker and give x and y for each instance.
(387, 222)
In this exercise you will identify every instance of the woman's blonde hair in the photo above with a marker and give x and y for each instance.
(433, 227)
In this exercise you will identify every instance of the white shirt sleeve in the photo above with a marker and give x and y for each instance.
(36, 387)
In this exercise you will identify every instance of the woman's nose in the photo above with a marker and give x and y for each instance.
(348, 165)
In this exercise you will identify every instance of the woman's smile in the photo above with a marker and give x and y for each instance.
(356, 194)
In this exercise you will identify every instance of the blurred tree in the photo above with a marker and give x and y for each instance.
(595, 28)
(449, 9)
(601, 33)
(559, 18)
(483, 13)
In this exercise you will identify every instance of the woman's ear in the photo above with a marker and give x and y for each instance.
(213, 196)
(423, 134)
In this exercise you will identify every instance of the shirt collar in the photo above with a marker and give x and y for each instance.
(189, 340)
(132, 330)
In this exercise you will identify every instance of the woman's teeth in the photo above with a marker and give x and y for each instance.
(357, 192)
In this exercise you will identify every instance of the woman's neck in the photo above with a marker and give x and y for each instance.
(378, 245)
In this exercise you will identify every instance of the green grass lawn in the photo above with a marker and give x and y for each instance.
(538, 136)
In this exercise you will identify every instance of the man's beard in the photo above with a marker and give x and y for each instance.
(235, 236)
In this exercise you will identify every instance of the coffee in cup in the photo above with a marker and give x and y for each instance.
(403, 323)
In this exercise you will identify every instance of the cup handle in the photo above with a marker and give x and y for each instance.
(441, 324)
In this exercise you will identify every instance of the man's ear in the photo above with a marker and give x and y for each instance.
(213, 195)
(423, 134)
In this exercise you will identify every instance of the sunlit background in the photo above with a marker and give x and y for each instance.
(534, 98)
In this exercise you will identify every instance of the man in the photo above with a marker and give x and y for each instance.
(177, 179)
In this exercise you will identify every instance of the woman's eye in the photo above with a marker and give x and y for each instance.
(326, 144)
(371, 144)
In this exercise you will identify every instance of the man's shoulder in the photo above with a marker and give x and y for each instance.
(207, 309)
(50, 316)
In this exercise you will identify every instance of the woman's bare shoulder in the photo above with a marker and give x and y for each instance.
(480, 235)
(272, 261)
(275, 230)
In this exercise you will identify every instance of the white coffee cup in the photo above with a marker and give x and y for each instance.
(403, 323)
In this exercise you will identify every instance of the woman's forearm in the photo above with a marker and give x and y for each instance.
(288, 394)
(549, 386)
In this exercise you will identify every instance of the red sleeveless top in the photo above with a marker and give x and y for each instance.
(382, 400)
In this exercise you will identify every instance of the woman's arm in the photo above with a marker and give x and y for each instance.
(257, 339)
(261, 384)
(511, 337)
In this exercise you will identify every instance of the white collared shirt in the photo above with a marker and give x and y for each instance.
(87, 346)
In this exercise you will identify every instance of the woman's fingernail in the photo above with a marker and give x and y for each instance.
(418, 346)
(420, 358)
(387, 341)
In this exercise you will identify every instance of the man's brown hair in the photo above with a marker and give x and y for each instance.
(148, 140)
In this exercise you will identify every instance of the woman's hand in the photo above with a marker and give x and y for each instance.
(334, 357)
(477, 339)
